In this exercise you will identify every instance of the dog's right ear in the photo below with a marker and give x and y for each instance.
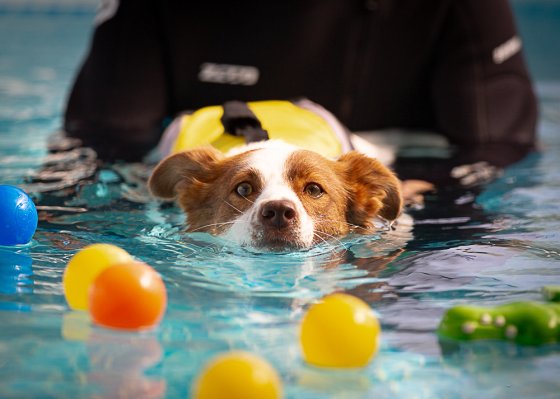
(181, 168)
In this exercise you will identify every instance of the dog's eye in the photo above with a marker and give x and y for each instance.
(244, 189)
(314, 190)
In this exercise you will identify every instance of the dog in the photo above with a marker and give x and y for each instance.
(276, 196)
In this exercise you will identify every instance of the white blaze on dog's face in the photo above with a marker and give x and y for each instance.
(276, 196)
(276, 215)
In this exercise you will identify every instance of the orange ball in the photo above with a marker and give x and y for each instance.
(129, 296)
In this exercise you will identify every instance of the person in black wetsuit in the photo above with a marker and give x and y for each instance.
(452, 66)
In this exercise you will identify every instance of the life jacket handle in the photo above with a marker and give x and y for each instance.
(239, 120)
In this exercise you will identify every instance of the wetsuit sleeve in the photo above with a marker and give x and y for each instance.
(118, 99)
(482, 91)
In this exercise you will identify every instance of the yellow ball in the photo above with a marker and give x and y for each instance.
(237, 375)
(84, 267)
(339, 331)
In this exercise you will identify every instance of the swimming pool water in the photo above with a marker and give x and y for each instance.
(483, 245)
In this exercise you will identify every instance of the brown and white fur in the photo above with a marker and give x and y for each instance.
(274, 196)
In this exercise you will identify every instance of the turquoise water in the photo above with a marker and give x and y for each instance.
(484, 245)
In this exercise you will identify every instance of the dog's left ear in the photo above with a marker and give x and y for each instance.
(375, 190)
(181, 169)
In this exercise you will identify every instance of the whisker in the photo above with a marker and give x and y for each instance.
(233, 207)
(323, 240)
(211, 225)
(252, 202)
(353, 226)
(330, 236)
(219, 224)
(320, 238)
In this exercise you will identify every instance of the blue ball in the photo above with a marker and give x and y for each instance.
(18, 216)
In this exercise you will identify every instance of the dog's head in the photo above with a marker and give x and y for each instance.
(275, 196)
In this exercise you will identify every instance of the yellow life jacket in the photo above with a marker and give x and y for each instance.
(303, 123)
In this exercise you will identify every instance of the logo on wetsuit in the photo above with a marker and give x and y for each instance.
(243, 75)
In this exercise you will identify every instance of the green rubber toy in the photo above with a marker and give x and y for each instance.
(525, 323)
(551, 293)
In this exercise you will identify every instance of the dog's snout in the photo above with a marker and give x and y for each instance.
(278, 214)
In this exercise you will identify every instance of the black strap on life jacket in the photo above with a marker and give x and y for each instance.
(239, 120)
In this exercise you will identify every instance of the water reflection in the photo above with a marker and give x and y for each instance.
(503, 370)
(118, 361)
(15, 270)
(15, 278)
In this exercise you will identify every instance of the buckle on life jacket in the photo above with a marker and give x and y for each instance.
(239, 120)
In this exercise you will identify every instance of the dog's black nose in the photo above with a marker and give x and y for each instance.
(277, 214)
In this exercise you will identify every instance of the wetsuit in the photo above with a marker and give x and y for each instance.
(452, 66)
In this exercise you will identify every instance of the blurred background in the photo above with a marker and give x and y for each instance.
(36, 52)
